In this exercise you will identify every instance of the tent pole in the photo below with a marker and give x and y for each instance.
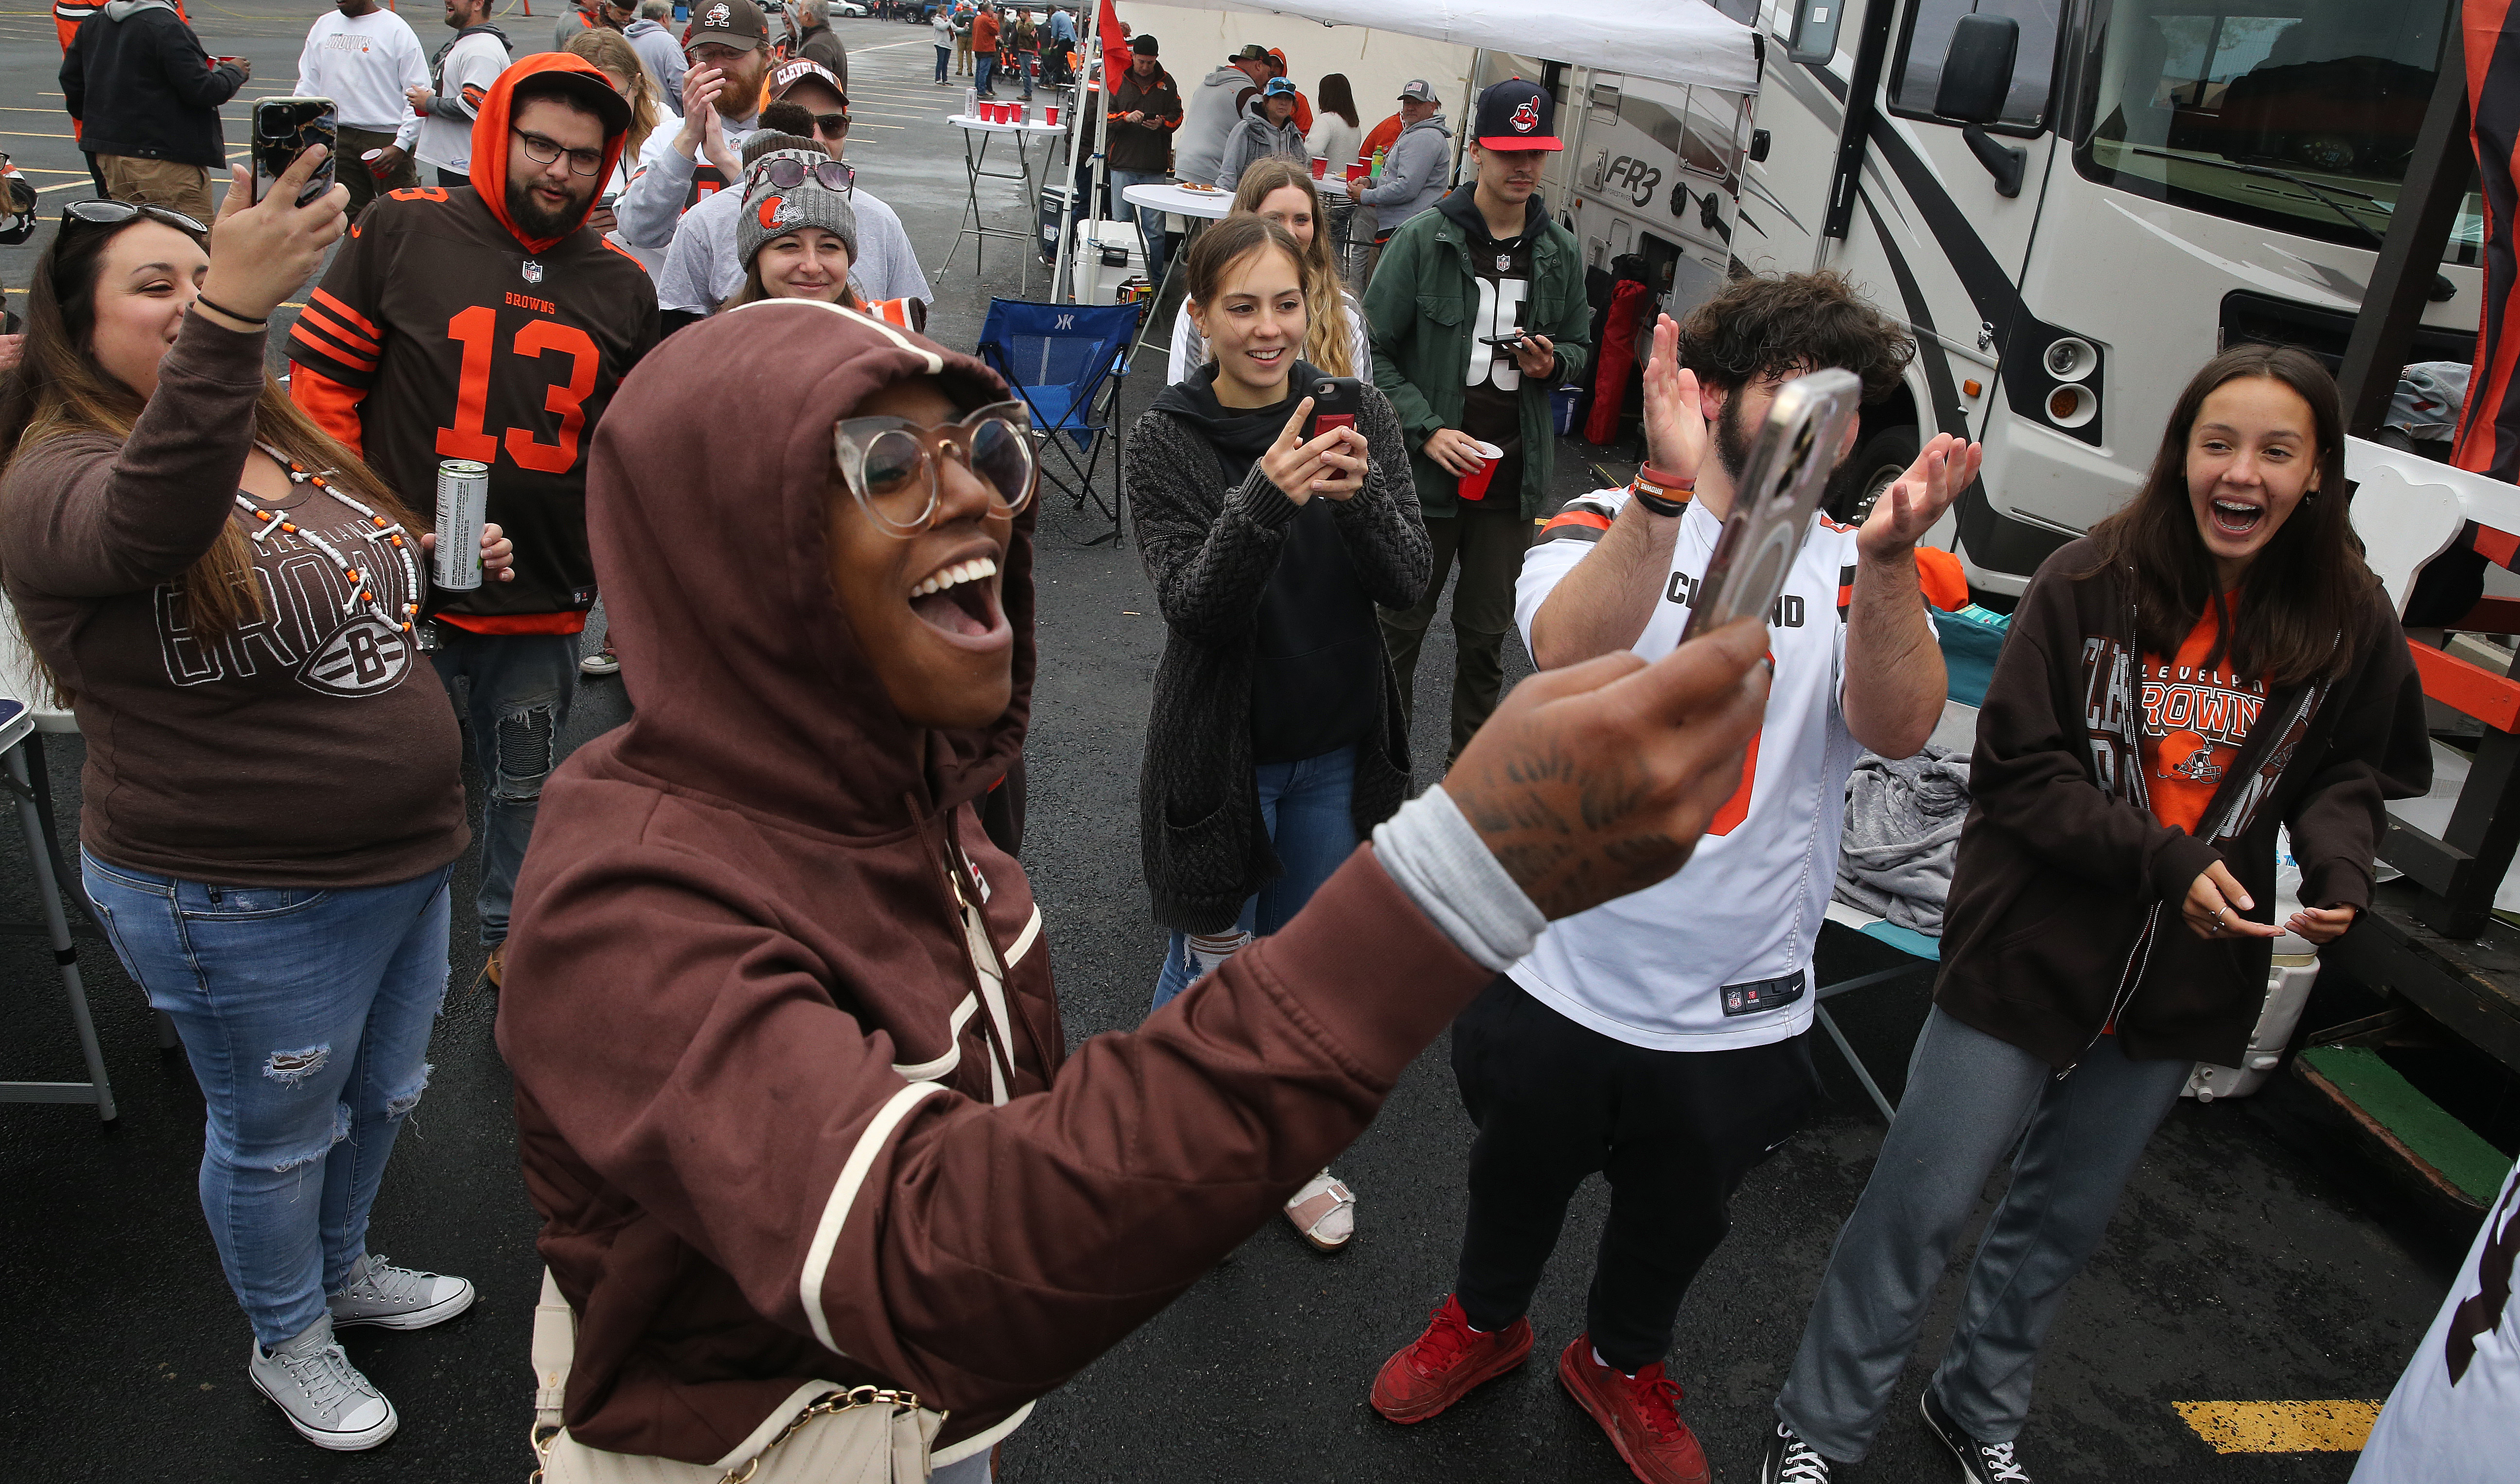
(1061, 288)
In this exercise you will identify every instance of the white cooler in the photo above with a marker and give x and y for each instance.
(1108, 254)
(2289, 977)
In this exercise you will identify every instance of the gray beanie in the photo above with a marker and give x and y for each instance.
(769, 212)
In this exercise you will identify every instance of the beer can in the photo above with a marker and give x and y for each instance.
(463, 507)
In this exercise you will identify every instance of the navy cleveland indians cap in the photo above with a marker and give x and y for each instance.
(1514, 115)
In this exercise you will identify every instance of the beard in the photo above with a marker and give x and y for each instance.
(534, 221)
(1731, 440)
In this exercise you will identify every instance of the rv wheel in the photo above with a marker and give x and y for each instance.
(1876, 462)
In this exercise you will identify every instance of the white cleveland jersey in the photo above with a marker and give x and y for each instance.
(1717, 956)
(2456, 1414)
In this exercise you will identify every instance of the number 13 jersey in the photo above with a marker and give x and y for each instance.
(459, 344)
(1719, 954)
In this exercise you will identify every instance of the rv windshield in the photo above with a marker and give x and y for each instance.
(2294, 115)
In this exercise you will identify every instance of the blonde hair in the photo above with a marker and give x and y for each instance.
(611, 54)
(1326, 335)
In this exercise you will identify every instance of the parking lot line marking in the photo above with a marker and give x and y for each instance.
(2341, 1426)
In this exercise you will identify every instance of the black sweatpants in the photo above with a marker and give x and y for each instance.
(1673, 1132)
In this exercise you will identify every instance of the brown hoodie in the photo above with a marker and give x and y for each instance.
(758, 1042)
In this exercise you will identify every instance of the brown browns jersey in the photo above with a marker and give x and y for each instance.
(461, 345)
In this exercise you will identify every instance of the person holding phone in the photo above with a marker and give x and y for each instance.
(1661, 1038)
(272, 803)
(2210, 664)
(1274, 741)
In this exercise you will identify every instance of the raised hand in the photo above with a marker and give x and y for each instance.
(1595, 780)
(1675, 435)
(262, 252)
(1916, 498)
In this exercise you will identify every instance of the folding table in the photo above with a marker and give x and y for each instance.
(24, 759)
(975, 169)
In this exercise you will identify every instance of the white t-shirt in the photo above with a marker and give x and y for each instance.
(366, 64)
(1334, 139)
(473, 64)
(2442, 1427)
(1651, 969)
(1190, 349)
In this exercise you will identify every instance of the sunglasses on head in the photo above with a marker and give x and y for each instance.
(787, 174)
(114, 213)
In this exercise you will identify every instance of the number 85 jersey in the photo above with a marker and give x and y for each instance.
(438, 335)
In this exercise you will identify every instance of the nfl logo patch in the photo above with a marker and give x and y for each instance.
(533, 271)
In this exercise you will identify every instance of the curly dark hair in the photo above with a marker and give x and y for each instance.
(1760, 327)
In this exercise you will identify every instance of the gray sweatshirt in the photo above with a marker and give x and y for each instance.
(1256, 138)
(1207, 117)
(1412, 173)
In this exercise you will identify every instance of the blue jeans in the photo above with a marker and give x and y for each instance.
(1149, 219)
(1305, 807)
(987, 82)
(306, 1017)
(1026, 66)
(944, 57)
(522, 687)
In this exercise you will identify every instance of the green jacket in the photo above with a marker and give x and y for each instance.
(1421, 306)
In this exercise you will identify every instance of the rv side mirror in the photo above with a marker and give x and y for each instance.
(1977, 74)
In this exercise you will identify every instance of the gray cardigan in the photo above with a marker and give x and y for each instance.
(1210, 552)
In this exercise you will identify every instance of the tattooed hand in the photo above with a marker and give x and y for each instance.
(1595, 780)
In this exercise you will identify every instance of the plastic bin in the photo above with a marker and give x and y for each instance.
(1054, 203)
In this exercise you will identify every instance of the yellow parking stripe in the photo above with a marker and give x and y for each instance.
(2281, 1426)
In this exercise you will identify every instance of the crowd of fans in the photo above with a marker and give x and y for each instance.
(834, 1137)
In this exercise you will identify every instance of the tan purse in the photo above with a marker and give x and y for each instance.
(823, 1434)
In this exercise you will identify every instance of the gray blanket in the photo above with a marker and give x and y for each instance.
(1902, 828)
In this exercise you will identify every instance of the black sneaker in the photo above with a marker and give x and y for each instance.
(1790, 1461)
(1980, 1462)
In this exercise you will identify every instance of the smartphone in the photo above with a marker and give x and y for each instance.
(1515, 339)
(285, 128)
(1335, 401)
(1790, 459)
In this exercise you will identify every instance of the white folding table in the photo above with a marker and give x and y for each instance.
(976, 133)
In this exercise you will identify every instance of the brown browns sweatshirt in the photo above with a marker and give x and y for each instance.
(758, 1043)
(313, 747)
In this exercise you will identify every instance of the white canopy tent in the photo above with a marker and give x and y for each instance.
(1684, 41)
(1674, 40)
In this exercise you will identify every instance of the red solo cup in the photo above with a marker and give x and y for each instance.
(1049, 113)
(1474, 484)
(370, 159)
(1359, 170)
(1320, 167)
(989, 113)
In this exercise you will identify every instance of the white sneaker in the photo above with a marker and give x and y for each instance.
(321, 1393)
(397, 1298)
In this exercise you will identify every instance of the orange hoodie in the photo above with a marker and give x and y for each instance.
(490, 137)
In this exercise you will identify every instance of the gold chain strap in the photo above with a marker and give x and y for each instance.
(828, 1404)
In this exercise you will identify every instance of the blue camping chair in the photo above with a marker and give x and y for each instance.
(1068, 363)
(1970, 639)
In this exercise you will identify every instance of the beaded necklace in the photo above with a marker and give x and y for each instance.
(362, 584)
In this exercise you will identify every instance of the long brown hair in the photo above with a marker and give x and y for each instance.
(611, 52)
(2301, 605)
(1326, 332)
(1335, 97)
(58, 391)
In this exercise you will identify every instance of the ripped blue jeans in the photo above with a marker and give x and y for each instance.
(517, 702)
(306, 1017)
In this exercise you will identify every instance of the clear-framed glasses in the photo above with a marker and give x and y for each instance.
(114, 213)
(787, 173)
(890, 463)
(543, 151)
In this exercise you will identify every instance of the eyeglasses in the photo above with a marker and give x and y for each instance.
(788, 173)
(543, 151)
(114, 213)
(883, 459)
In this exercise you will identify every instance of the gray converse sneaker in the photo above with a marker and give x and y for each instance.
(321, 1393)
(397, 1298)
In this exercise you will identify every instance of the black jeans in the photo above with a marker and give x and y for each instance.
(1673, 1132)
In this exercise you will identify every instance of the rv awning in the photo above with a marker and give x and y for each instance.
(1673, 40)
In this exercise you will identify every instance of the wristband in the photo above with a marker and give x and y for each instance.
(207, 303)
(1660, 493)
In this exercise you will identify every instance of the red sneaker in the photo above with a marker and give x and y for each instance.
(1440, 1366)
(1641, 1415)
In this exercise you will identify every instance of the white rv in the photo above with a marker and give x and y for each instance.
(2151, 180)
